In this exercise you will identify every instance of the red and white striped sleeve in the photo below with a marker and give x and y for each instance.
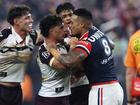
(84, 46)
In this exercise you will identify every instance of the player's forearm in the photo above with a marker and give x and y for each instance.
(128, 87)
(130, 74)
(63, 60)
(57, 65)
(68, 60)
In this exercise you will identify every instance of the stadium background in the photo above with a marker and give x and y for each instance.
(118, 18)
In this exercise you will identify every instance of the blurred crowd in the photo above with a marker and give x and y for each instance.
(108, 14)
(119, 19)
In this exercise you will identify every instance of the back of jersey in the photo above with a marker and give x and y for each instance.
(99, 64)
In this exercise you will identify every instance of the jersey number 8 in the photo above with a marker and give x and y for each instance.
(106, 47)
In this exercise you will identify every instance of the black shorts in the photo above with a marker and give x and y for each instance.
(52, 100)
(79, 95)
(10, 95)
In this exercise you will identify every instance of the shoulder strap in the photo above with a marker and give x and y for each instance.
(5, 33)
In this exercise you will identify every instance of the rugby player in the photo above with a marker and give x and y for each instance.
(55, 89)
(95, 51)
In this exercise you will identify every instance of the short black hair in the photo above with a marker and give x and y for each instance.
(82, 12)
(49, 22)
(63, 7)
(17, 11)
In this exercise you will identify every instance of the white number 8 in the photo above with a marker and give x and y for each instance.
(106, 46)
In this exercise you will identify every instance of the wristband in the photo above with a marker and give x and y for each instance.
(51, 61)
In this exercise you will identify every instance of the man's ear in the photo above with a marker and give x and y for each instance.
(15, 21)
(51, 31)
(82, 25)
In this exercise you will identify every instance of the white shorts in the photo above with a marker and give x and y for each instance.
(106, 94)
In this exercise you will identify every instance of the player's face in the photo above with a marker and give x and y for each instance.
(75, 25)
(66, 16)
(58, 32)
(24, 23)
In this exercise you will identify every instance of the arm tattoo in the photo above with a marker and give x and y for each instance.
(72, 58)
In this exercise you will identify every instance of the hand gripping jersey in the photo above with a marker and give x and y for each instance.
(14, 54)
(99, 64)
(55, 83)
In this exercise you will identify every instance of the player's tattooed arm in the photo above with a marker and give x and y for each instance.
(69, 60)
(57, 65)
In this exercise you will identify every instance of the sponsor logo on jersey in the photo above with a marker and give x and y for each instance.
(137, 46)
(46, 54)
(105, 61)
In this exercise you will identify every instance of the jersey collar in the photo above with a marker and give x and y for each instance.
(16, 36)
(84, 36)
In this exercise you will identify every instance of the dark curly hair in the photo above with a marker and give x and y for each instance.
(82, 12)
(17, 11)
(48, 22)
(65, 6)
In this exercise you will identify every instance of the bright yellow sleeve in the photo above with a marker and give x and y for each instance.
(132, 58)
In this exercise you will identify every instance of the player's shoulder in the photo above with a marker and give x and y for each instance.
(42, 48)
(134, 42)
(6, 31)
(135, 38)
(43, 52)
(135, 35)
(95, 34)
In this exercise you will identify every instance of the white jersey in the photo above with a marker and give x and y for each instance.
(14, 55)
(54, 83)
